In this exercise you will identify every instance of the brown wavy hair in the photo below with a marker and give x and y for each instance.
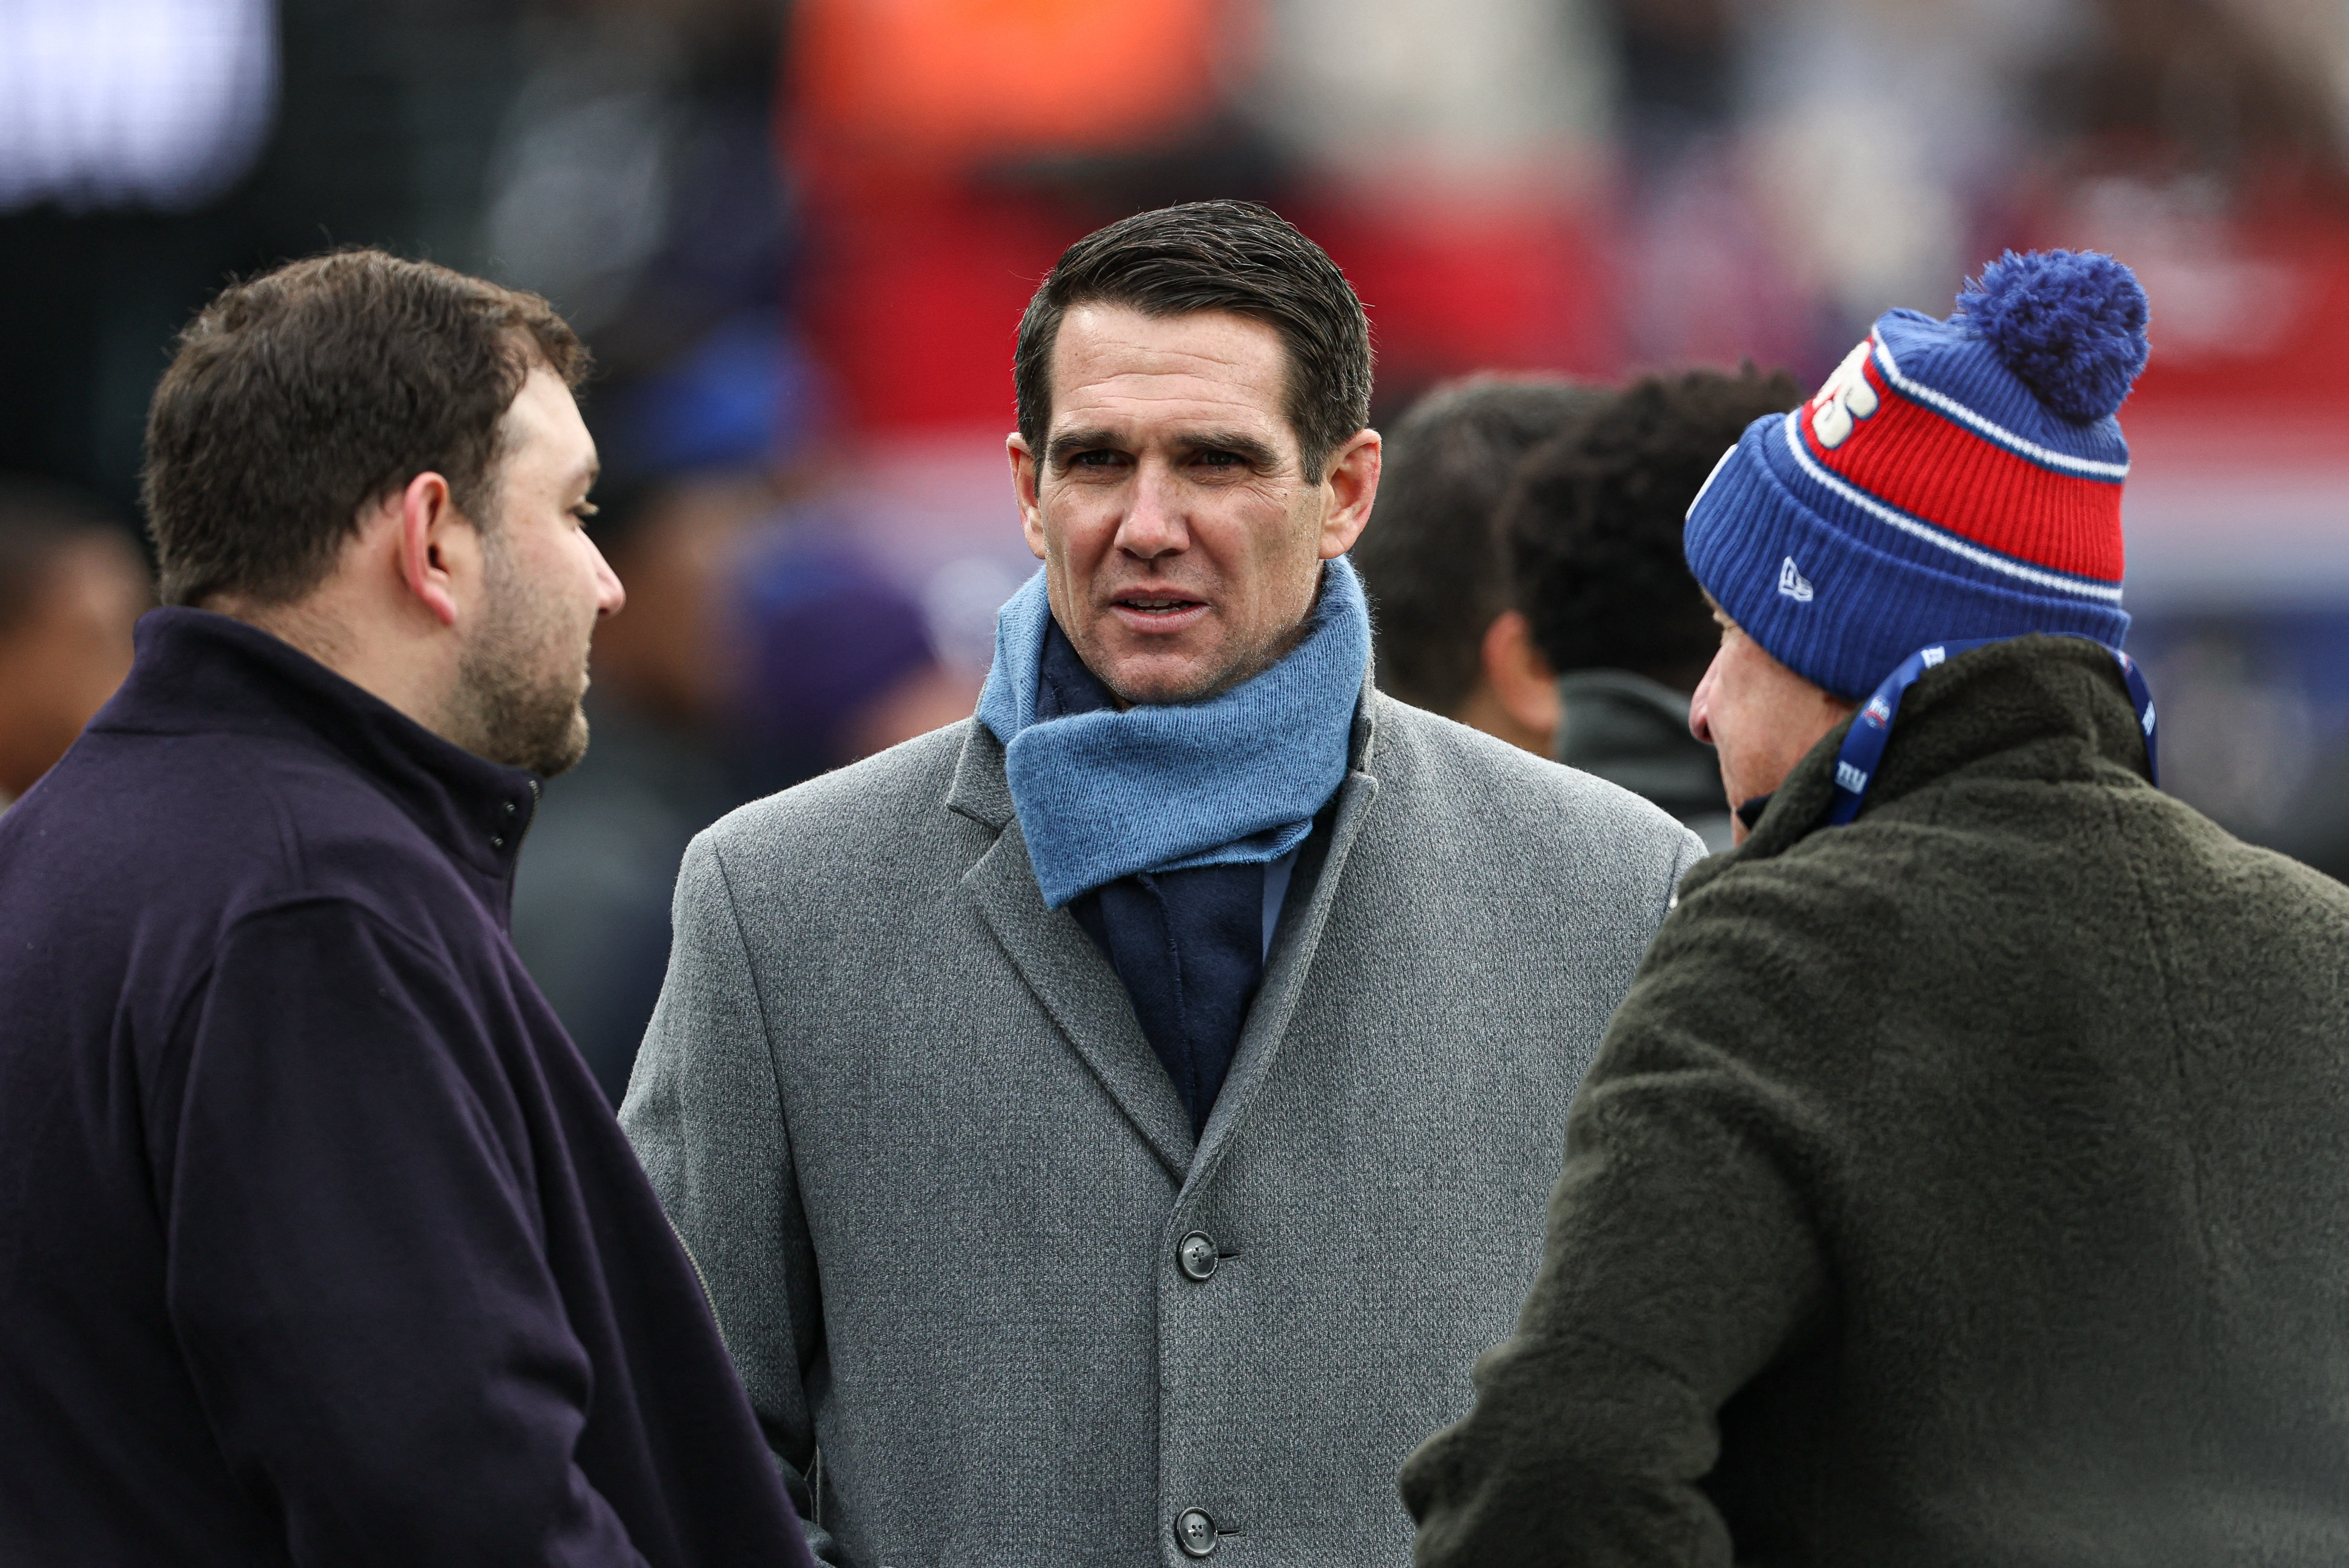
(298, 398)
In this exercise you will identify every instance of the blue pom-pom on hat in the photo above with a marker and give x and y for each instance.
(2069, 323)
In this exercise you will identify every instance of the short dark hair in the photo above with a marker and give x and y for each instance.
(1235, 256)
(1430, 558)
(1594, 520)
(38, 518)
(298, 397)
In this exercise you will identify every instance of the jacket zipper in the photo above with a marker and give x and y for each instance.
(699, 1278)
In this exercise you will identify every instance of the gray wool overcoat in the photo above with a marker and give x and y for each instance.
(947, 1204)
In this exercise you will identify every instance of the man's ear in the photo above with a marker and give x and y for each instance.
(1024, 477)
(1353, 485)
(439, 547)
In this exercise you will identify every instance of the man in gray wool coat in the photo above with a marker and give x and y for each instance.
(1110, 1127)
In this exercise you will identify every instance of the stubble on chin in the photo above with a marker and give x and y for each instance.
(1236, 669)
(563, 755)
(504, 709)
(1161, 693)
(512, 720)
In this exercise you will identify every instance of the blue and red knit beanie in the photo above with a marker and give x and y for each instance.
(1953, 478)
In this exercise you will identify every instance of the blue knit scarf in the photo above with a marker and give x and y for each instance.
(1232, 780)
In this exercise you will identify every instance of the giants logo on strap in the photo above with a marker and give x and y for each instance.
(1847, 396)
(1850, 777)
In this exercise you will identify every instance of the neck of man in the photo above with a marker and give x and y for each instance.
(332, 624)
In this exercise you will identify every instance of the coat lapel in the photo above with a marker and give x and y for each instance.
(1292, 953)
(1060, 963)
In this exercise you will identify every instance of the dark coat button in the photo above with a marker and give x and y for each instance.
(1197, 1256)
(1194, 1532)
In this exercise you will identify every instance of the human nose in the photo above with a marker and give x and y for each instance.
(1701, 704)
(1154, 523)
(610, 595)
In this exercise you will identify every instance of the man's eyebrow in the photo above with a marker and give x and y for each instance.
(1068, 444)
(1248, 449)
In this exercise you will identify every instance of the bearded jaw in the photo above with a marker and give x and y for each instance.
(505, 715)
(518, 697)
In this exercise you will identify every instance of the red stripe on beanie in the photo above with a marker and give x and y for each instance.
(1917, 459)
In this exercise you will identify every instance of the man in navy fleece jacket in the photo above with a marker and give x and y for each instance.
(318, 1243)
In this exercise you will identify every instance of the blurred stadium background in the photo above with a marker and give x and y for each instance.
(799, 236)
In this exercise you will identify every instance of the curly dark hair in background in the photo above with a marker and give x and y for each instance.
(1433, 560)
(1593, 523)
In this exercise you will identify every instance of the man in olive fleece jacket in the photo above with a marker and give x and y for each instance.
(1961, 1186)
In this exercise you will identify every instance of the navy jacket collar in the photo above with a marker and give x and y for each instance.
(1065, 686)
(196, 673)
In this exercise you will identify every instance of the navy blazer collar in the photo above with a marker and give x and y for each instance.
(197, 673)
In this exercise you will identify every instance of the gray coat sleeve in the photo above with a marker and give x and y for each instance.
(706, 1116)
(1693, 850)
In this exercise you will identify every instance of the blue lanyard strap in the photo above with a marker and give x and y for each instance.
(1863, 744)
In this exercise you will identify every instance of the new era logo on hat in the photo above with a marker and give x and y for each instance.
(1955, 479)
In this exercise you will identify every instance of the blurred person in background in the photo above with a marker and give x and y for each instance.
(72, 585)
(1437, 568)
(696, 455)
(1592, 528)
(1961, 1182)
(761, 646)
(320, 1245)
(766, 656)
(593, 885)
(841, 660)
(1077, 1112)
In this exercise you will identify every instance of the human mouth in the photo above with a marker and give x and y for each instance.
(1157, 612)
